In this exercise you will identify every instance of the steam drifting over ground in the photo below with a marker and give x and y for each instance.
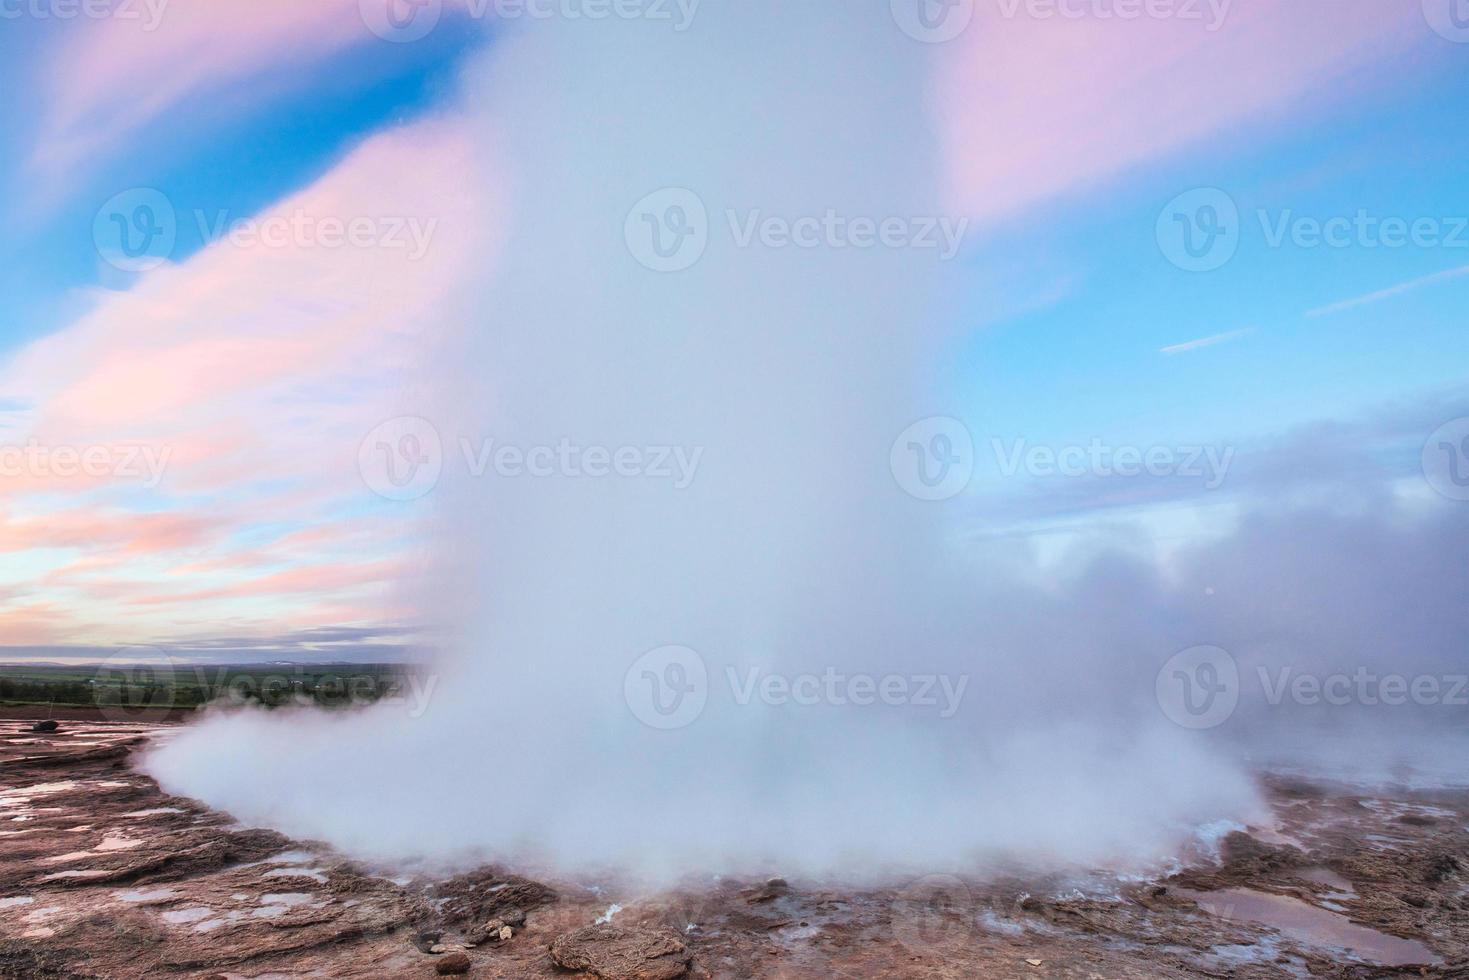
(792, 552)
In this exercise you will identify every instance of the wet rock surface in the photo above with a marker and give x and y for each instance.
(103, 875)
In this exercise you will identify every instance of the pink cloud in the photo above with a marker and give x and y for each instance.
(1032, 108)
(260, 366)
(121, 532)
(310, 581)
(137, 68)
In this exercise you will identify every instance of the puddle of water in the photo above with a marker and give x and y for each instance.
(64, 858)
(1307, 924)
(40, 789)
(1329, 878)
(156, 895)
(313, 873)
(196, 914)
(287, 899)
(153, 812)
(1397, 808)
(77, 874)
(117, 842)
(6, 903)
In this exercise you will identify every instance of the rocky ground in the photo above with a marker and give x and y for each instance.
(104, 875)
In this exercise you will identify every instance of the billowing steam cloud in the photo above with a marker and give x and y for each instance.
(851, 691)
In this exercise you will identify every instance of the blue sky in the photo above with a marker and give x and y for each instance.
(1070, 299)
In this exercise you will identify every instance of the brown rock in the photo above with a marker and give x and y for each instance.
(772, 889)
(494, 931)
(451, 964)
(614, 953)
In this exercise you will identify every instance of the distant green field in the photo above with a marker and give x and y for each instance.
(190, 685)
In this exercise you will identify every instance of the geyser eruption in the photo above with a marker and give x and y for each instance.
(702, 626)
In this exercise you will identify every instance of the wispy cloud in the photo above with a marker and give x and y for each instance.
(1218, 338)
(259, 364)
(1391, 291)
(1038, 107)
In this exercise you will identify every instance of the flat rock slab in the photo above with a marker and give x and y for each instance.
(614, 953)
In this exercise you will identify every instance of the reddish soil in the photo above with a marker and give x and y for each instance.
(104, 875)
(70, 712)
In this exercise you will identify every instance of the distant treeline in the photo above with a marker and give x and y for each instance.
(150, 686)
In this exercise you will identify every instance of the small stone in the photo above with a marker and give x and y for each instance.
(1035, 962)
(452, 964)
(438, 948)
(494, 931)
